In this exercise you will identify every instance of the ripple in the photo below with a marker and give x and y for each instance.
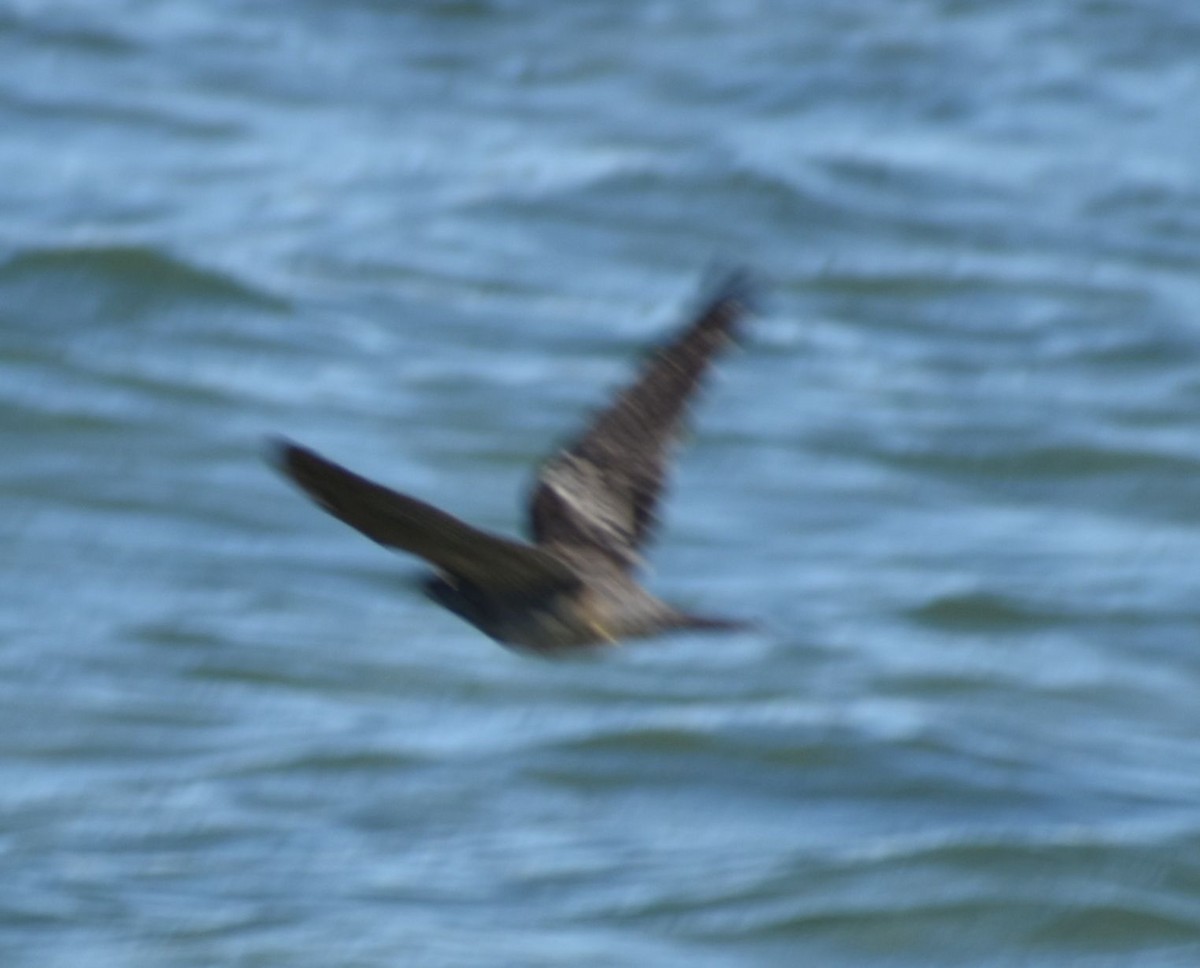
(978, 611)
(130, 280)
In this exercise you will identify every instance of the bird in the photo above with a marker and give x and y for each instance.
(593, 509)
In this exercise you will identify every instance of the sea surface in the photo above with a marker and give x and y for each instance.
(953, 474)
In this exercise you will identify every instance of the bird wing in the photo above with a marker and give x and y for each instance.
(403, 523)
(602, 490)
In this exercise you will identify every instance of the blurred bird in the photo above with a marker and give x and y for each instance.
(592, 511)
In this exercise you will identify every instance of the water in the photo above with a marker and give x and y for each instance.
(953, 473)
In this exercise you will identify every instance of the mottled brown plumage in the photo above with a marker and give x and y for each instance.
(591, 512)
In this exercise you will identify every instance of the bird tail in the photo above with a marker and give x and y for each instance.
(712, 623)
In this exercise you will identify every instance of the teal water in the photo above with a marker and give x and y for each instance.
(954, 474)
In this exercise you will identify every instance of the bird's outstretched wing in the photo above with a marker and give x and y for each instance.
(600, 493)
(397, 521)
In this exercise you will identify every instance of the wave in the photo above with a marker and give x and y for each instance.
(138, 278)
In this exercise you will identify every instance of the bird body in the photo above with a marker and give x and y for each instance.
(592, 511)
(608, 607)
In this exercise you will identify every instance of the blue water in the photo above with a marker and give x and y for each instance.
(954, 474)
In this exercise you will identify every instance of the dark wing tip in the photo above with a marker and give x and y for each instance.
(275, 451)
(734, 288)
(284, 455)
(305, 468)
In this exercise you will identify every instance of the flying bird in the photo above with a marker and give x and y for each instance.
(591, 513)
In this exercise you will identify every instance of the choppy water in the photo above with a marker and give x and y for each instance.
(955, 473)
